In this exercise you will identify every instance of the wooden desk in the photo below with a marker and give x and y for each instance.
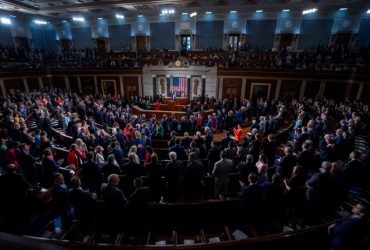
(177, 101)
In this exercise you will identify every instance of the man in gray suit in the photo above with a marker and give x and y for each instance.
(221, 173)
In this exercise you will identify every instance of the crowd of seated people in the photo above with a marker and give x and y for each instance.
(316, 168)
(333, 58)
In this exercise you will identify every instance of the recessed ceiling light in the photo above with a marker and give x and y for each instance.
(140, 15)
(309, 11)
(233, 11)
(208, 12)
(119, 16)
(78, 19)
(4, 20)
(343, 9)
(184, 13)
(100, 18)
(259, 11)
(286, 10)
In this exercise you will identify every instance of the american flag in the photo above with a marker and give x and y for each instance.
(179, 84)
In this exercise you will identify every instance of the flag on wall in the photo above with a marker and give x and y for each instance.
(179, 84)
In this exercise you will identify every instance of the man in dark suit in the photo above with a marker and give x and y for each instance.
(269, 149)
(59, 193)
(137, 206)
(251, 198)
(287, 163)
(91, 174)
(302, 137)
(179, 150)
(84, 205)
(186, 140)
(132, 170)
(27, 163)
(193, 177)
(114, 204)
(305, 158)
(173, 173)
(213, 156)
(51, 167)
(351, 233)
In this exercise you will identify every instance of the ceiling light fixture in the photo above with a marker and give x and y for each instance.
(5, 20)
(119, 16)
(40, 22)
(168, 12)
(305, 12)
(286, 10)
(193, 14)
(343, 9)
(78, 19)
(233, 11)
(259, 11)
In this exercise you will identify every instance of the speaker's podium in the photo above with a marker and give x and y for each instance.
(175, 101)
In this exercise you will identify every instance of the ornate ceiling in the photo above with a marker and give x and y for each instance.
(63, 9)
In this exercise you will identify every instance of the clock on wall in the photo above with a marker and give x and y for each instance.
(178, 63)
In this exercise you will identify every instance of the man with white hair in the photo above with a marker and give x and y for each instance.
(173, 173)
(114, 203)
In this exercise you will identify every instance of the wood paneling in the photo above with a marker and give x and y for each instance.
(130, 86)
(340, 90)
(47, 82)
(312, 89)
(290, 89)
(232, 87)
(73, 83)
(365, 94)
(13, 85)
(58, 82)
(87, 84)
(33, 83)
(54, 82)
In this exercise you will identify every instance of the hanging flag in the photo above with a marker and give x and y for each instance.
(179, 84)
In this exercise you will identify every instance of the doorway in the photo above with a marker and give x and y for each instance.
(101, 44)
(65, 44)
(22, 43)
(231, 92)
(342, 39)
(185, 43)
(234, 42)
(286, 40)
(109, 87)
(140, 43)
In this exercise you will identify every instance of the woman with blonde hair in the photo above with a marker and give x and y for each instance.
(81, 146)
(99, 157)
(133, 150)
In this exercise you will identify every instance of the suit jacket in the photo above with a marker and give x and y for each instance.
(174, 172)
(51, 167)
(348, 234)
(251, 198)
(83, 204)
(179, 150)
(222, 170)
(305, 159)
(91, 175)
(114, 206)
